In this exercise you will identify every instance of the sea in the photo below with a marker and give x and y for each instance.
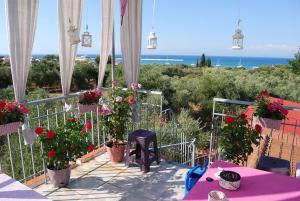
(191, 60)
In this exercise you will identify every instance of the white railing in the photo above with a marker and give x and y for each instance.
(24, 162)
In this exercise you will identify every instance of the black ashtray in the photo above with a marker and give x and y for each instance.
(230, 180)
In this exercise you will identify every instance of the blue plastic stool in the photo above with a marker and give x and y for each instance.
(193, 175)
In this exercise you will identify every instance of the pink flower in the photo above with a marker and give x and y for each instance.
(119, 99)
(98, 93)
(139, 86)
(134, 86)
(114, 82)
(23, 109)
(105, 112)
(131, 100)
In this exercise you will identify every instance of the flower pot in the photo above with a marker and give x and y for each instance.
(267, 123)
(87, 108)
(9, 128)
(59, 178)
(115, 151)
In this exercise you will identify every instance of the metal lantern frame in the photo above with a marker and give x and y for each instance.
(238, 40)
(86, 38)
(152, 41)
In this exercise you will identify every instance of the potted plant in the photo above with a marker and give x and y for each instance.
(237, 138)
(115, 114)
(88, 101)
(268, 113)
(11, 115)
(60, 146)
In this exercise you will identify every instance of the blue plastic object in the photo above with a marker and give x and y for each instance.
(193, 175)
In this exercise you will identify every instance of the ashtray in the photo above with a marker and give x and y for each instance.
(230, 180)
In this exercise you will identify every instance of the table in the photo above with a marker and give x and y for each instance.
(12, 190)
(256, 185)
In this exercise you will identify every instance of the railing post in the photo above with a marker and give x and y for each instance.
(193, 152)
(211, 134)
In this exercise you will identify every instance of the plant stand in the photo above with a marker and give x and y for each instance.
(87, 108)
(267, 123)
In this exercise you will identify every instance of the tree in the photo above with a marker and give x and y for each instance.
(208, 62)
(50, 57)
(295, 63)
(202, 61)
(197, 64)
(97, 60)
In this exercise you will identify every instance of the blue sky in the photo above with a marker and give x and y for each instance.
(186, 27)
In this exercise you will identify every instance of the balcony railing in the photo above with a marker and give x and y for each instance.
(24, 162)
(285, 143)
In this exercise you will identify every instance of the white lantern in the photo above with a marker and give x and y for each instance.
(152, 41)
(73, 33)
(237, 42)
(86, 39)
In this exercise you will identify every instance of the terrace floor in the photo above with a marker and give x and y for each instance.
(100, 179)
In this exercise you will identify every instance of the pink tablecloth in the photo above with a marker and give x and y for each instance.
(12, 190)
(255, 185)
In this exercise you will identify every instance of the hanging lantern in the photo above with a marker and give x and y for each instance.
(152, 41)
(73, 33)
(86, 39)
(237, 42)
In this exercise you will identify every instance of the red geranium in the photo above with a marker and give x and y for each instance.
(91, 148)
(39, 130)
(2, 105)
(51, 153)
(89, 125)
(83, 130)
(243, 116)
(229, 119)
(50, 134)
(258, 128)
(72, 120)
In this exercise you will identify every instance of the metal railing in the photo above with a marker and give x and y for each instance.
(24, 162)
(224, 107)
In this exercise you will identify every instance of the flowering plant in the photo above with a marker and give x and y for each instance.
(265, 108)
(65, 143)
(90, 97)
(238, 137)
(117, 109)
(11, 112)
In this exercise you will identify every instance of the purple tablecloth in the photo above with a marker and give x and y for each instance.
(12, 190)
(256, 185)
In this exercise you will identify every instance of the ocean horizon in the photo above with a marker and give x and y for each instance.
(191, 60)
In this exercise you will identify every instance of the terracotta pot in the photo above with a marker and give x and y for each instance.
(87, 108)
(115, 151)
(59, 178)
(9, 128)
(267, 123)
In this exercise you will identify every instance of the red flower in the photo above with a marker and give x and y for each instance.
(83, 130)
(51, 153)
(229, 119)
(89, 125)
(39, 130)
(265, 93)
(131, 100)
(71, 120)
(2, 105)
(23, 109)
(91, 148)
(50, 134)
(243, 116)
(258, 128)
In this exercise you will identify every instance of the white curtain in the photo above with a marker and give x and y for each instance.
(131, 40)
(69, 14)
(21, 22)
(106, 36)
